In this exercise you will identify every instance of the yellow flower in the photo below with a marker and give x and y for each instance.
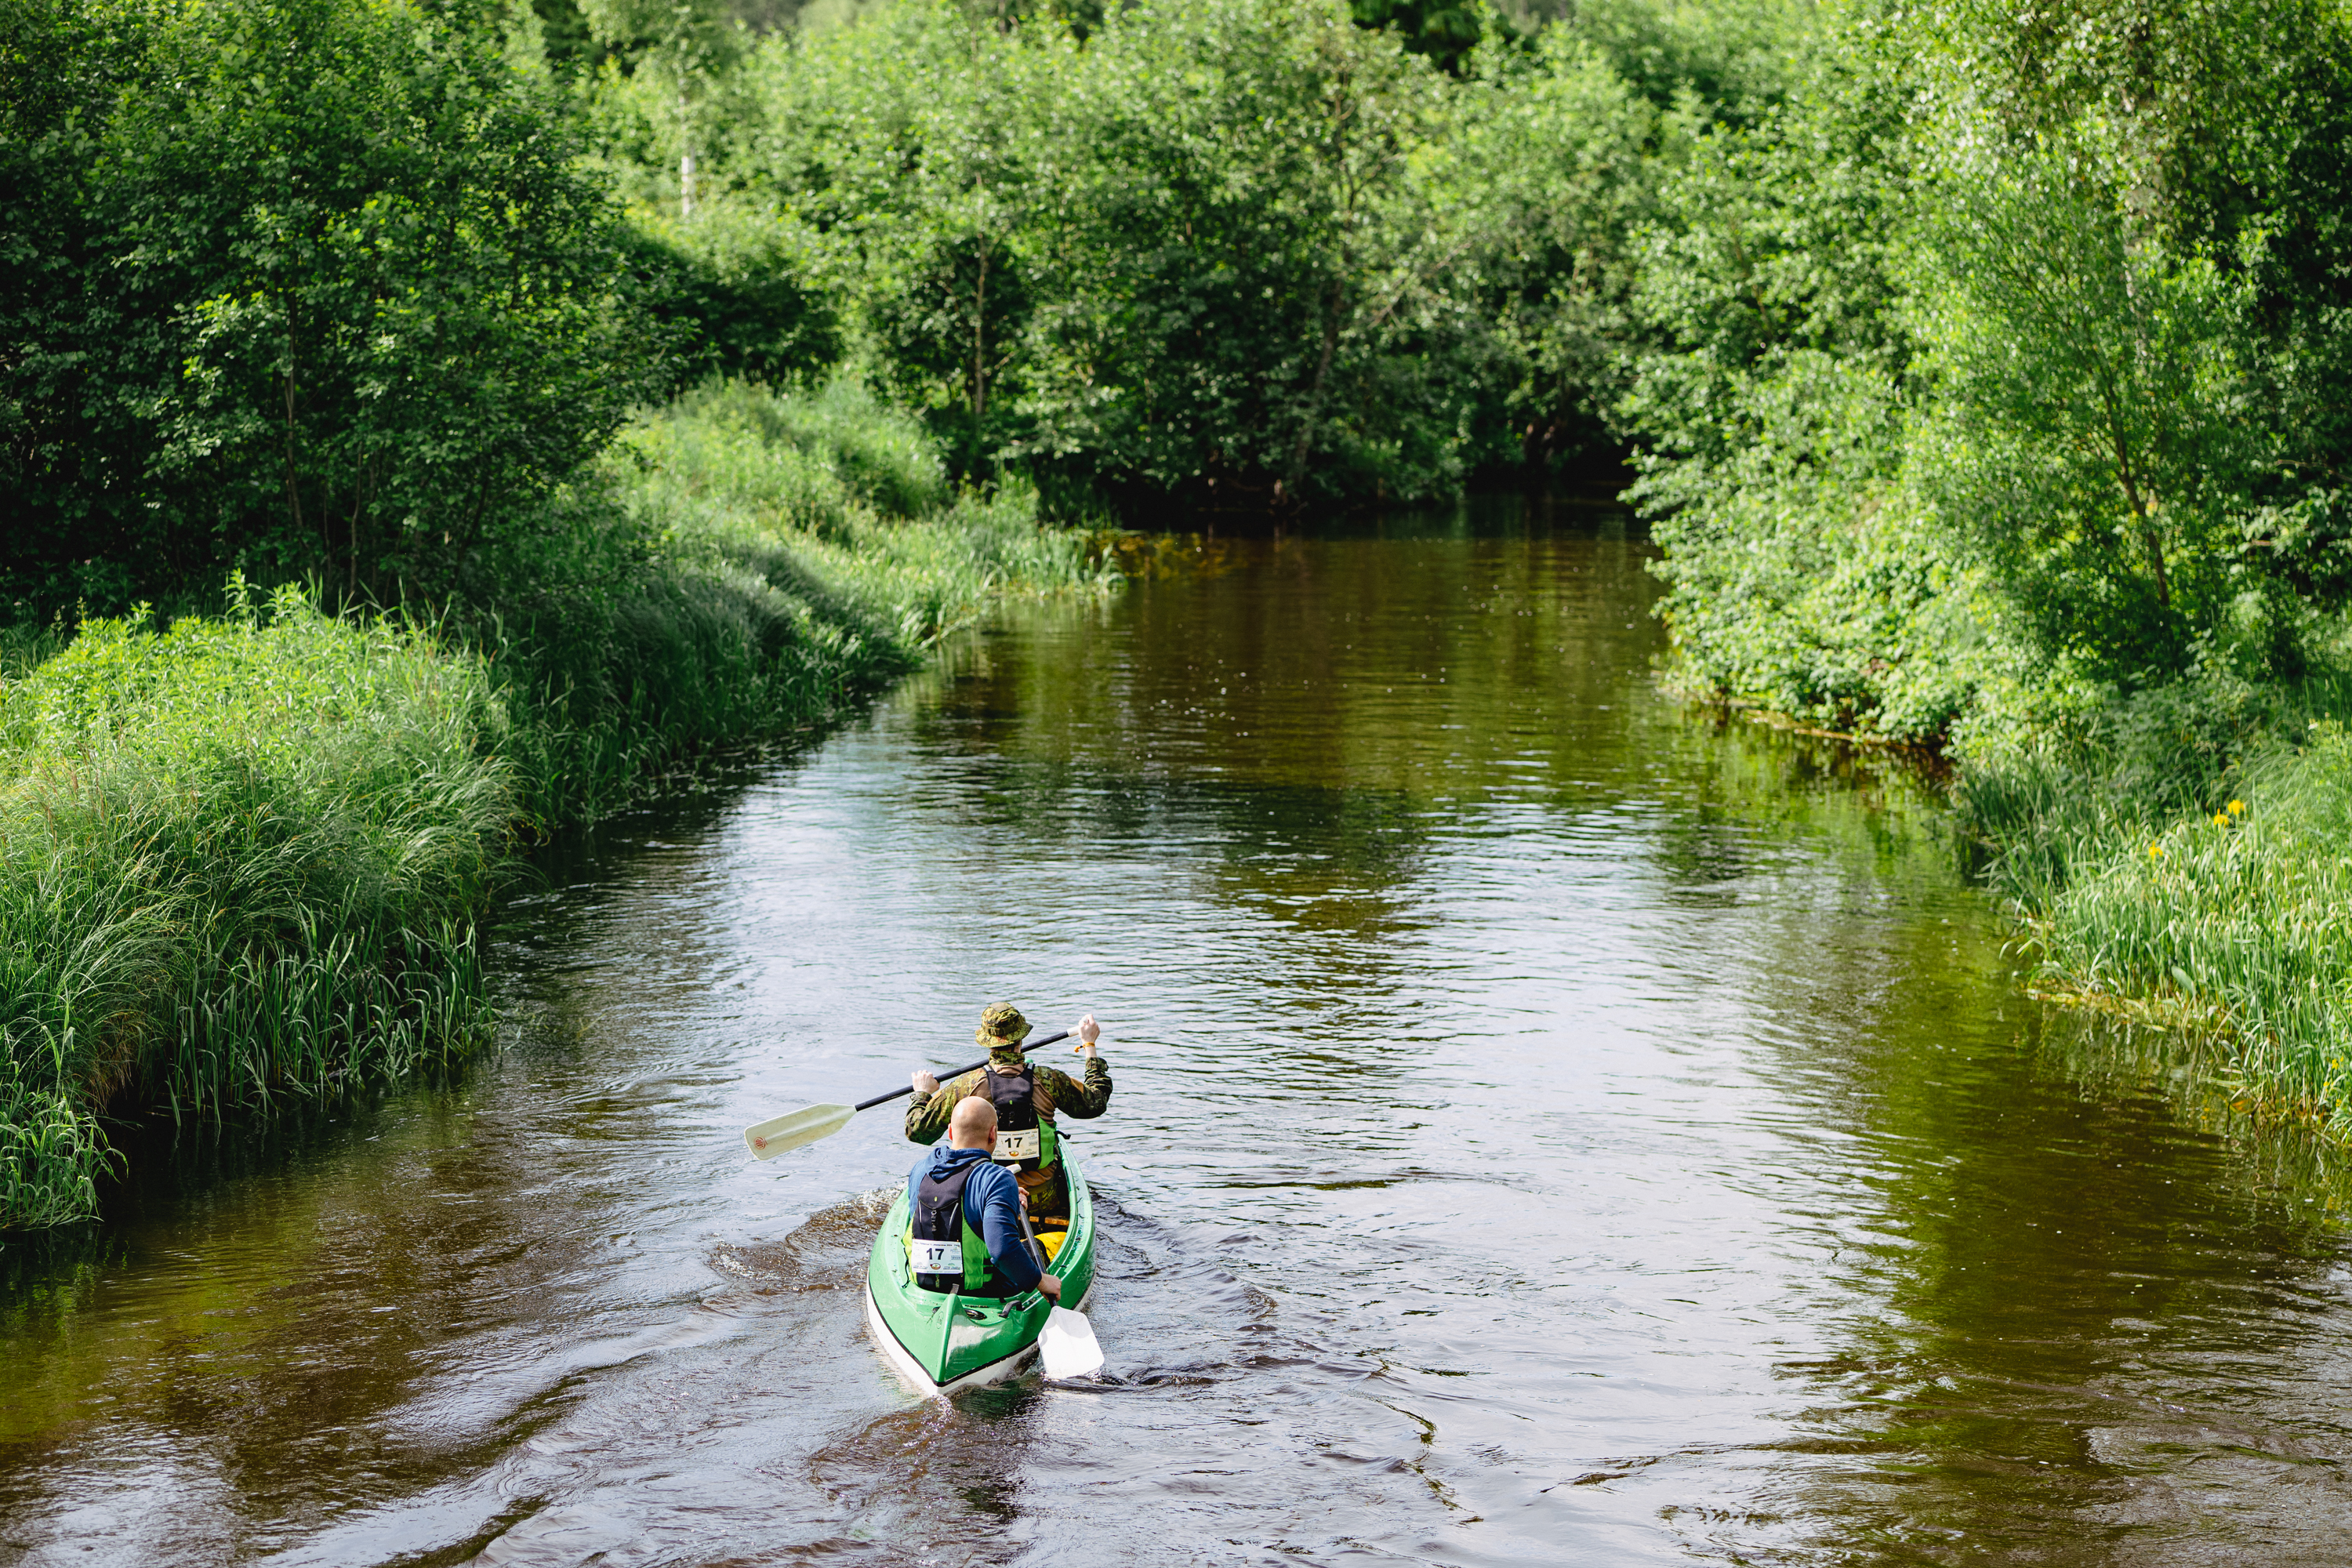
(2220, 819)
(2237, 808)
(2155, 851)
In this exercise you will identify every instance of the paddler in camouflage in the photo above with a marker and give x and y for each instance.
(1053, 1092)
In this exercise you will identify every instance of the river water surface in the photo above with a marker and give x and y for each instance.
(1552, 1127)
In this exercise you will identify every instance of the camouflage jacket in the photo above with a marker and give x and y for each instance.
(926, 1116)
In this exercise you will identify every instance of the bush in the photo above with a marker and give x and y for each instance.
(736, 294)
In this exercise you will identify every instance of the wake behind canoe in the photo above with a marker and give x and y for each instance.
(937, 1342)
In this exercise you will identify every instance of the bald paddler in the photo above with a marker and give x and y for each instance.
(965, 1231)
(1028, 1099)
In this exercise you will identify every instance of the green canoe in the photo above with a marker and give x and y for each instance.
(940, 1343)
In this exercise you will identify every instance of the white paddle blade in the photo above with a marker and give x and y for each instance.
(1069, 1343)
(805, 1126)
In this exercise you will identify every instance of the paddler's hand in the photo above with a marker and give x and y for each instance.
(925, 1083)
(1051, 1287)
(1088, 1032)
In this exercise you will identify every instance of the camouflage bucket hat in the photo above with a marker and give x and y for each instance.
(1001, 1026)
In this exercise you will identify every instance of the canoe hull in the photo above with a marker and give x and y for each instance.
(940, 1343)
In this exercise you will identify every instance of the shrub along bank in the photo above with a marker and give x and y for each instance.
(241, 857)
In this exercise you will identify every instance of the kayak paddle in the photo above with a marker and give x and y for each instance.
(1068, 1345)
(798, 1129)
(1068, 1340)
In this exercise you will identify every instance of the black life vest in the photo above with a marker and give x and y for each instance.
(940, 1224)
(1024, 1139)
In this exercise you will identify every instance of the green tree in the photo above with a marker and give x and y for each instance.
(2091, 434)
(315, 287)
(950, 316)
(901, 145)
(1547, 175)
(1773, 397)
(1989, 353)
(2130, 278)
(676, 52)
(1244, 300)
(1733, 61)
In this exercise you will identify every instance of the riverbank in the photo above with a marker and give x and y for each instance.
(1990, 411)
(2172, 856)
(241, 856)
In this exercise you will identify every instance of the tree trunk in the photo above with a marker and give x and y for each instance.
(979, 348)
(1315, 395)
(359, 504)
(293, 485)
(684, 159)
(1341, 113)
(2140, 510)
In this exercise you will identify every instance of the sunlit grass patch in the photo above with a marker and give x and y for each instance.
(2236, 921)
(801, 549)
(239, 859)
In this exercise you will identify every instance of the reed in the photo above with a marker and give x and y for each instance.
(238, 860)
(241, 859)
(2231, 918)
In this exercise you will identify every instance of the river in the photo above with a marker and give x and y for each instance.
(1553, 1126)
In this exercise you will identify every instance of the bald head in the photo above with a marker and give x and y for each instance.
(972, 1124)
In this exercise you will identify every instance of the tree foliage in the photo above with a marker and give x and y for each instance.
(1242, 249)
(2078, 271)
(1248, 250)
(316, 287)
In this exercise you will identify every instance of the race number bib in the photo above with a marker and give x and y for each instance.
(936, 1257)
(1025, 1145)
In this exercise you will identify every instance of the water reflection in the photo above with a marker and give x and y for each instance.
(2102, 1333)
(1551, 1126)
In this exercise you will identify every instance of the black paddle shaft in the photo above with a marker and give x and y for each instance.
(1027, 1046)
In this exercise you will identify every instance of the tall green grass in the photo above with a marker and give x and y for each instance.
(241, 859)
(788, 555)
(238, 860)
(2191, 867)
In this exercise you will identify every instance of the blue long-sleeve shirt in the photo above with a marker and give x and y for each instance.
(992, 1206)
